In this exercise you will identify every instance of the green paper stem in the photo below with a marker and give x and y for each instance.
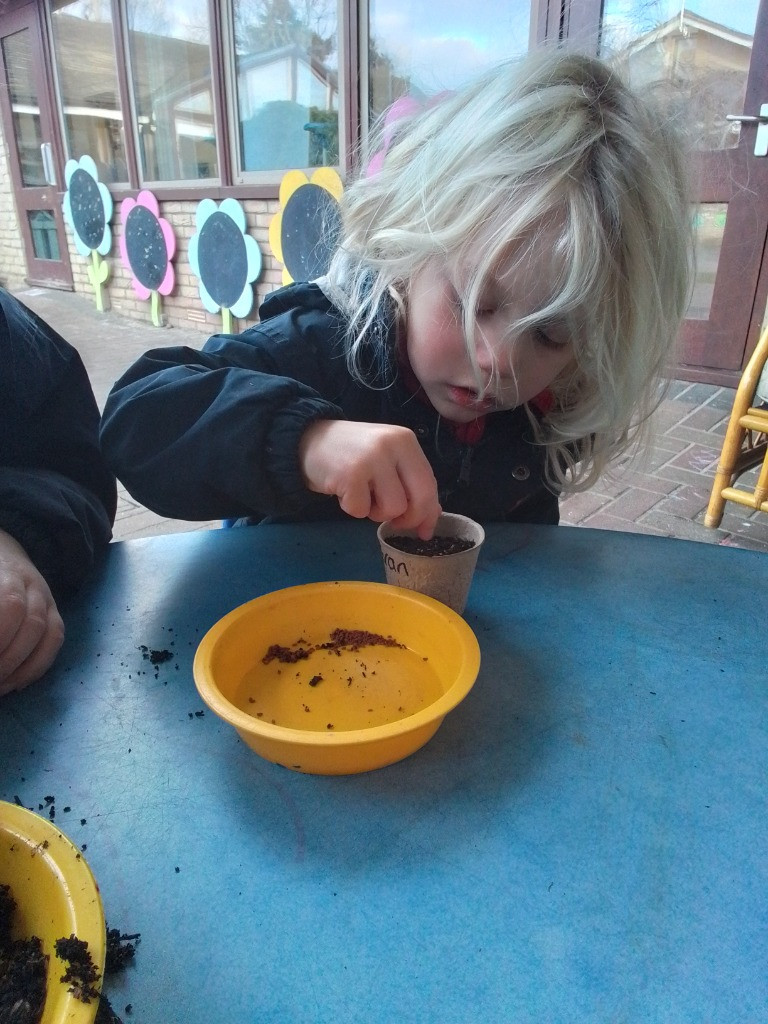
(96, 278)
(226, 319)
(157, 309)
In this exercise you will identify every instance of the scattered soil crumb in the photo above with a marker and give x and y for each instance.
(155, 657)
(121, 949)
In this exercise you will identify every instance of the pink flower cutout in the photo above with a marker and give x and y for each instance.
(147, 245)
(405, 106)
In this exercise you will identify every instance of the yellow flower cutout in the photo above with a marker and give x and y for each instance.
(303, 234)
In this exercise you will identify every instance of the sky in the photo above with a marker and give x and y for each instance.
(736, 14)
(441, 51)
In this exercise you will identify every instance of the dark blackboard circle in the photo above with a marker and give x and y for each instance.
(87, 208)
(145, 247)
(222, 259)
(309, 232)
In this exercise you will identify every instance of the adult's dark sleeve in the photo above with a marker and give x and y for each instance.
(57, 496)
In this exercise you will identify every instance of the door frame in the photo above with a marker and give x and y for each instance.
(715, 350)
(48, 273)
(740, 179)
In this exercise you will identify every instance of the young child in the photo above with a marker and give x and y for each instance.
(57, 497)
(505, 295)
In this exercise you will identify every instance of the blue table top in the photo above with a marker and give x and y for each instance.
(584, 839)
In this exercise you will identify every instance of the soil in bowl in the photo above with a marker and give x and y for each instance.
(324, 684)
(23, 969)
(434, 546)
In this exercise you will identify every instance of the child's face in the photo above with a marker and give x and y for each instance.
(511, 373)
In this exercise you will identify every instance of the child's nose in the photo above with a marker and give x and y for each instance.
(485, 357)
(492, 360)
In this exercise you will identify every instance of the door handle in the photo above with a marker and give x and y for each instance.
(761, 120)
(47, 154)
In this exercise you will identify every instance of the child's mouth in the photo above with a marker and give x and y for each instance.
(469, 399)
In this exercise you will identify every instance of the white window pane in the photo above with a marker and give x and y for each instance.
(694, 55)
(93, 120)
(286, 63)
(171, 70)
(419, 48)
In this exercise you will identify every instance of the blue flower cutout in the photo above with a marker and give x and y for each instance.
(224, 258)
(87, 207)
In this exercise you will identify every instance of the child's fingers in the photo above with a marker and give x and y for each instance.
(376, 470)
(424, 527)
(380, 496)
(413, 518)
(405, 491)
(422, 508)
(390, 493)
(356, 499)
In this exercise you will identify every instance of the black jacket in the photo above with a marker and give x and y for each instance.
(57, 497)
(215, 433)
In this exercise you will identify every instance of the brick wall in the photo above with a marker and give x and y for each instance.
(13, 266)
(182, 308)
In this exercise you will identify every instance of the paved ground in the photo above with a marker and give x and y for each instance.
(664, 495)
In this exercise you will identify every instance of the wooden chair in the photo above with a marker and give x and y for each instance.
(745, 444)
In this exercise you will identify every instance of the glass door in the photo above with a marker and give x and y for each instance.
(707, 61)
(34, 150)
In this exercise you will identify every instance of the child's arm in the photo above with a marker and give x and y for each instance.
(224, 433)
(215, 434)
(376, 470)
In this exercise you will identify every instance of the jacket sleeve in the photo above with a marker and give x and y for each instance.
(57, 497)
(215, 433)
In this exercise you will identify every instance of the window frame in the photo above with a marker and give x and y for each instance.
(549, 20)
(184, 186)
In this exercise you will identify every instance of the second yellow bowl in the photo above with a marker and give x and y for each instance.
(56, 896)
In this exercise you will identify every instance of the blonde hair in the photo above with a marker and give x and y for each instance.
(554, 137)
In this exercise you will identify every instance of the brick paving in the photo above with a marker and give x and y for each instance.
(664, 491)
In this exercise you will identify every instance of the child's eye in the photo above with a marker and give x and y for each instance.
(547, 341)
(487, 306)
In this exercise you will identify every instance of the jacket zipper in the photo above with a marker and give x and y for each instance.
(466, 466)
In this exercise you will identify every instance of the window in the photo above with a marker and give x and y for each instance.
(412, 50)
(286, 69)
(170, 60)
(696, 66)
(25, 107)
(169, 97)
(90, 101)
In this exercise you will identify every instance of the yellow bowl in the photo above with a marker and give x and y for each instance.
(56, 896)
(340, 710)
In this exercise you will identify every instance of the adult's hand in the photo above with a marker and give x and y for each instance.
(31, 629)
(376, 470)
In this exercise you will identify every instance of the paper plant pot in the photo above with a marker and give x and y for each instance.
(446, 577)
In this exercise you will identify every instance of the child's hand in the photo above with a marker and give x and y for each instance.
(31, 629)
(376, 470)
